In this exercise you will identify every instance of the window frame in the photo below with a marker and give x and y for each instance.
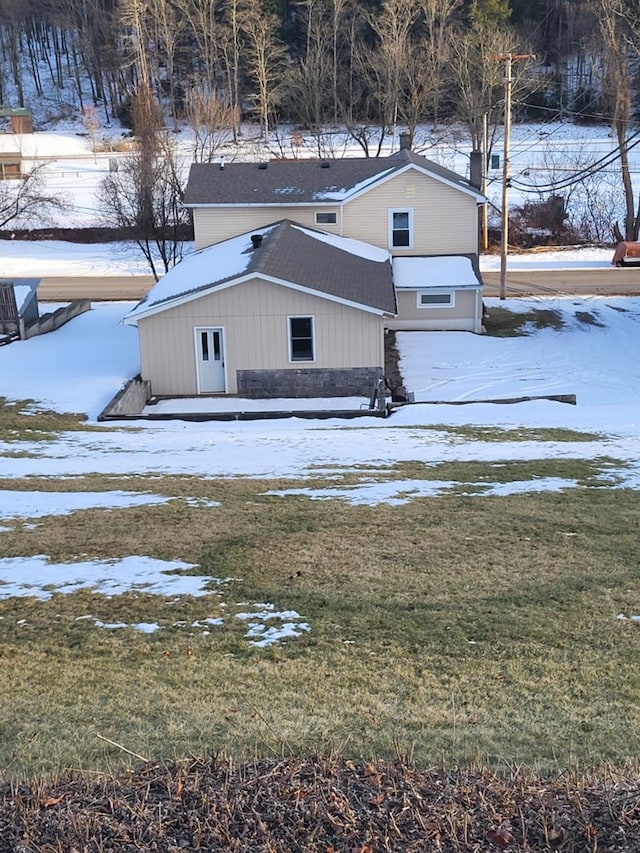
(327, 213)
(441, 291)
(312, 338)
(392, 212)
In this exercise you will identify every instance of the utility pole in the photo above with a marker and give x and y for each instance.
(508, 59)
(485, 206)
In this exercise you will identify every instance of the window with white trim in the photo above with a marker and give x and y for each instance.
(326, 218)
(436, 299)
(401, 229)
(301, 344)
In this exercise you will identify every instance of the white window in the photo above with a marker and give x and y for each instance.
(401, 229)
(436, 299)
(326, 218)
(301, 344)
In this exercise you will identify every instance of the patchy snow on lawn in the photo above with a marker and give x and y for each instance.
(398, 492)
(37, 504)
(262, 636)
(38, 577)
(596, 356)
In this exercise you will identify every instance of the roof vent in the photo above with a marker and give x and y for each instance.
(222, 164)
(262, 165)
(256, 240)
(325, 165)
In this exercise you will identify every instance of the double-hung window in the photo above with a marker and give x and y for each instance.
(301, 344)
(401, 229)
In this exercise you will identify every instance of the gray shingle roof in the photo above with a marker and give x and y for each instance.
(336, 266)
(289, 182)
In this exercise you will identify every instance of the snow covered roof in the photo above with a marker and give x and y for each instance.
(291, 182)
(338, 268)
(440, 271)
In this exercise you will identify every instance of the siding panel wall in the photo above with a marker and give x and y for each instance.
(445, 220)
(212, 226)
(466, 314)
(254, 317)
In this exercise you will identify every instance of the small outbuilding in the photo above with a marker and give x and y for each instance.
(280, 311)
(10, 165)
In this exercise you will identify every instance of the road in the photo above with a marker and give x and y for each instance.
(124, 288)
(598, 281)
(587, 281)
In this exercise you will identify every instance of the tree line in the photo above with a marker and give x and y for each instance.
(360, 64)
(367, 66)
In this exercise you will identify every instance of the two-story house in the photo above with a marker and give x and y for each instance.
(301, 266)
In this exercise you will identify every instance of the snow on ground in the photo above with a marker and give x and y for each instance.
(14, 504)
(46, 258)
(38, 577)
(53, 258)
(595, 357)
(81, 364)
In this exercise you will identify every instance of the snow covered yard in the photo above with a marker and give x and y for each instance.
(594, 356)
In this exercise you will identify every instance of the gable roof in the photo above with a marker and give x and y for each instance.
(291, 182)
(338, 268)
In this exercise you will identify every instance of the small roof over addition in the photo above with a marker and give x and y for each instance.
(337, 268)
(451, 271)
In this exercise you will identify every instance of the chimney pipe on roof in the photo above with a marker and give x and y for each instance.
(222, 164)
(405, 141)
(256, 240)
(475, 169)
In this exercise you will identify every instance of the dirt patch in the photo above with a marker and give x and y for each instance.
(503, 323)
(588, 319)
(328, 805)
(392, 373)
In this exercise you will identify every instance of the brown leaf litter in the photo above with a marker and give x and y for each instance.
(320, 805)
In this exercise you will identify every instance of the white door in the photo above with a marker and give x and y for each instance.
(210, 361)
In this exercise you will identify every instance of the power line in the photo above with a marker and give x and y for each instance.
(587, 172)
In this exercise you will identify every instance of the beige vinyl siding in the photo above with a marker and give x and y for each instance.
(254, 318)
(214, 225)
(445, 220)
(465, 315)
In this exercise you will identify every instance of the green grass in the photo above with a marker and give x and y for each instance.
(458, 628)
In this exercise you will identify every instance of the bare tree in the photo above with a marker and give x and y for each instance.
(145, 195)
(430, 70)
(310, 82)
(25, 202)
(264, 55)
(212, 122)
(393, 26)
(620, 51)
(203, 20)
(477, 76)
